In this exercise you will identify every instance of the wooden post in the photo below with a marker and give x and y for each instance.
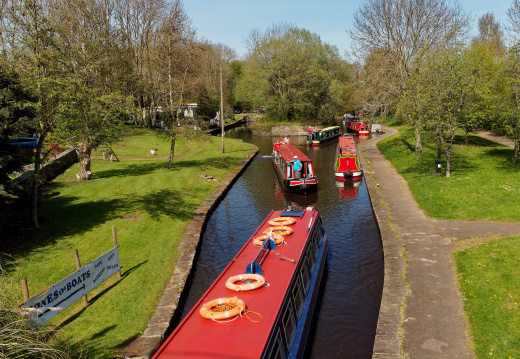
(114, 239)
(78, 266)
(221, 109)
(25, 289)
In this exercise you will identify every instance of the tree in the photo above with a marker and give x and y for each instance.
(443, 92)
(291, 72)
(34, 53)
(490, 34)
(15, 118)
(93, 102)
(405, 31)
(508, 98)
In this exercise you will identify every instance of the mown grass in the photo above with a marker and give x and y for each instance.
(488, 276)
(484, 185)
(148, 204)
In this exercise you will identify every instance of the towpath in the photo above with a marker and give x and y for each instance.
(421, 312)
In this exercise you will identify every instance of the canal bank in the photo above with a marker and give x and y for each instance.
(159, 325)
(421, 313)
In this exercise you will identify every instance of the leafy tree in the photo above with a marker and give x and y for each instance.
(443, 93)
(508, 98)
(490, 34)
(291, 72)
(15, 114)
(34, 54)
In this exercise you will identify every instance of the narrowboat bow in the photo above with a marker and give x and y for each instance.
(262, 304)
(303, 181)
(346, 165)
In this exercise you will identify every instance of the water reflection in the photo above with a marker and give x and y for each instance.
(349, 305)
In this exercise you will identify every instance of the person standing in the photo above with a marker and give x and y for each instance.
(286, 139)
(297, 166)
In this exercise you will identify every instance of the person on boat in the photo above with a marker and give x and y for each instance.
(297, 166)
(286, 139)
(276, 149)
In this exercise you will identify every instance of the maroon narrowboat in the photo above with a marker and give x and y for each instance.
(262, 304)
(303, 181)
(361, 127)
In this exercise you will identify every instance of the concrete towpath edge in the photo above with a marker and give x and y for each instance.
(147, 344)
(387, 343)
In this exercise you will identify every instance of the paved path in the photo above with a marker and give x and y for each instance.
(421, 312)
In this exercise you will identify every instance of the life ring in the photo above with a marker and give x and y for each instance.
(222, 308)
(284, 230)
(244, 287)
(282, 221)
(276, 237)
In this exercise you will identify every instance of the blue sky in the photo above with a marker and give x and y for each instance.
(230, 21)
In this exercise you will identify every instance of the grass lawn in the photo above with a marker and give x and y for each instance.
(148, 204)
(488, 277)
(485, 185)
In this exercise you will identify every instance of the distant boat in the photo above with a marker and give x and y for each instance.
(346, 164)
(316, 137)
(375, 127)
(304, 181)
(262, 304)
(361, 127)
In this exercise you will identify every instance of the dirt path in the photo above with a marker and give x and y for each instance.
(423, 282)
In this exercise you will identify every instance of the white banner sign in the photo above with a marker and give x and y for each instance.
(53, 300)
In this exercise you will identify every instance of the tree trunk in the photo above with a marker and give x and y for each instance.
(84, 150)
(36, 183)
(448, 163)
(515, 154)
(418, 142)
(172, 151)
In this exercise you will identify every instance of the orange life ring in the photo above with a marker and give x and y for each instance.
(284, 230)
(282, 221)
(244, 287)
(259, 240)
(210, 310)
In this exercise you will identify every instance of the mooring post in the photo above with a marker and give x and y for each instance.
(78, 266)
(25, 289)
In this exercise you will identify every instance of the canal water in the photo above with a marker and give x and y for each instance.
(348, 307)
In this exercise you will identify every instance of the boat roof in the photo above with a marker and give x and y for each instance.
(198, 337)
(289, 150)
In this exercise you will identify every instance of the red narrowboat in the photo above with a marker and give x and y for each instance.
(262, 304)
(302, 181)
(361, 127)
(346, 165)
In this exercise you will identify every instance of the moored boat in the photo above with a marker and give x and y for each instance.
(303, 181)
(361, 127)
(346, 164)
(316, 137)
(262, 304)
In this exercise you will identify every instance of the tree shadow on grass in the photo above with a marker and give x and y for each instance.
(145, 168)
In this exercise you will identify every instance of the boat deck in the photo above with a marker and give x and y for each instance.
(246, 336)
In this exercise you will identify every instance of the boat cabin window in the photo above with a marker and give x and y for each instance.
(289, 171)
(277, 351)
(311, 136)
(312, 253)
(297, 293)
(306, 275)
(310, 172)
(289, 324)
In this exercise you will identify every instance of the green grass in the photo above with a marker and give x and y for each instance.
(148, 204)
(488, 276)
(484, 185)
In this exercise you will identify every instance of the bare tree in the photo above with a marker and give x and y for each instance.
(404, 31)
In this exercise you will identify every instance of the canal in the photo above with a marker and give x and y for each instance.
(348, 308)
